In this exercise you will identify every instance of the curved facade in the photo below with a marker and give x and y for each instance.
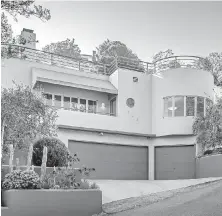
(183, 87)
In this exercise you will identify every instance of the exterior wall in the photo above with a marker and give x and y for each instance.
(54, 202)
(177, 82)
(21, 71)
(100, 97)
(138, 116)
(209, 166)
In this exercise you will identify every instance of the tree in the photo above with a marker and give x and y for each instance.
(215, 59)
(14, 8)
(208, 129)
(24, 115)
(162, 54)
(110, 50)
(65, 48)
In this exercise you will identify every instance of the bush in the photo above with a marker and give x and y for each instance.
(58, 153)
(208, 152)
(18, 179)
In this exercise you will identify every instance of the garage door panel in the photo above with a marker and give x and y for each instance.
(112, 161)
(174, 162)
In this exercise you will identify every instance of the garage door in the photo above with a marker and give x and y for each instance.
(174, 162)
(113, 161)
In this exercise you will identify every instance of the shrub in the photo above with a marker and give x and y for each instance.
(18, 179)
(208, 151)
(58, 153)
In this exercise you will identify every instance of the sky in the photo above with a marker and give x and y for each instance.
(188, 28)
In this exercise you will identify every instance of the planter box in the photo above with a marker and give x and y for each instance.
(54, 202)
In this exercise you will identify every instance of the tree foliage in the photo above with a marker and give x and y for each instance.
(215, 59)
(24, 115)
(23, 8)
(65, 48)
(109, 50)
(58, 154)
(209, 128)
(162, 54)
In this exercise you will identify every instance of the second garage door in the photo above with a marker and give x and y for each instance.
(113, 161)
(174, 162)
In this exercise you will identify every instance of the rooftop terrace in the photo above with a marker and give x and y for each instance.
(21, 52)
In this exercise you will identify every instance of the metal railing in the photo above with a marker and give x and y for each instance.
(16, 51)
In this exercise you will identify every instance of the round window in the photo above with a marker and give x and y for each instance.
(130, 102)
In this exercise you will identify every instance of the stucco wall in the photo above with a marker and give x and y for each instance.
(177, 82)
(209, 166)
(54, 202)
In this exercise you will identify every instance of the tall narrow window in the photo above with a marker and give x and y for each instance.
(200, 106)
(57, 101)
(179, 106)
(82, 105)
(113, 107)
(190, 106)
(168, 107)
(91, 106)
(66, 102)
(74, 104)
(48, 98)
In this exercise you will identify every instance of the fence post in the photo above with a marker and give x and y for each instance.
(11, 154)
(44, 161)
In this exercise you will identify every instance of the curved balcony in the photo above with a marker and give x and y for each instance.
(16, 51)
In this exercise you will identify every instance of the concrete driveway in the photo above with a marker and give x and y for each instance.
(113, 190)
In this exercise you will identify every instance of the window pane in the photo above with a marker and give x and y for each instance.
(113, 107)
(179, 106)
(82, 105)
(66, 102)
(91, 106)
(57, 101)
(200, 105)
(168, 107)
(190, 106)
(48, 98)
(74, 103)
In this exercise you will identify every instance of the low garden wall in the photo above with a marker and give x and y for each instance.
(209, 166)
(53, 202)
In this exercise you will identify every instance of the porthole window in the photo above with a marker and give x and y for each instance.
(130, 102)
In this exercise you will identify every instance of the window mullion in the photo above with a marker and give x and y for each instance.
(185, 106)
(195, 107)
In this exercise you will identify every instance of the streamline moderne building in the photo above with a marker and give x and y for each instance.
(128, 120)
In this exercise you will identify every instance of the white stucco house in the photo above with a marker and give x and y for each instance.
(121, 119)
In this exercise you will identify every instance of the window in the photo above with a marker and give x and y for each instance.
(74, 104)
(168, 107)
(48, 98)
(113, 107)
(91, 106)
(66, 102)
(57, 101)
(82, 105)
(200, 106)
(190, 106)
(179, 106)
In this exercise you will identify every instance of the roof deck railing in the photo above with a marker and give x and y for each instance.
(21, 52)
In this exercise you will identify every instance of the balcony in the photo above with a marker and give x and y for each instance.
(15, 51)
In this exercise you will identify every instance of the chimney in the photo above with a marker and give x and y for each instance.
(29, 38)
(94, 56)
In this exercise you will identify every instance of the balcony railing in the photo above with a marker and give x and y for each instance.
(30, 54)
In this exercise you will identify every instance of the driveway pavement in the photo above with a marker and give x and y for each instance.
(206, 201)
(113, 190)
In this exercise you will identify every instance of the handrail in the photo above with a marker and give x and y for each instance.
(184, 61)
